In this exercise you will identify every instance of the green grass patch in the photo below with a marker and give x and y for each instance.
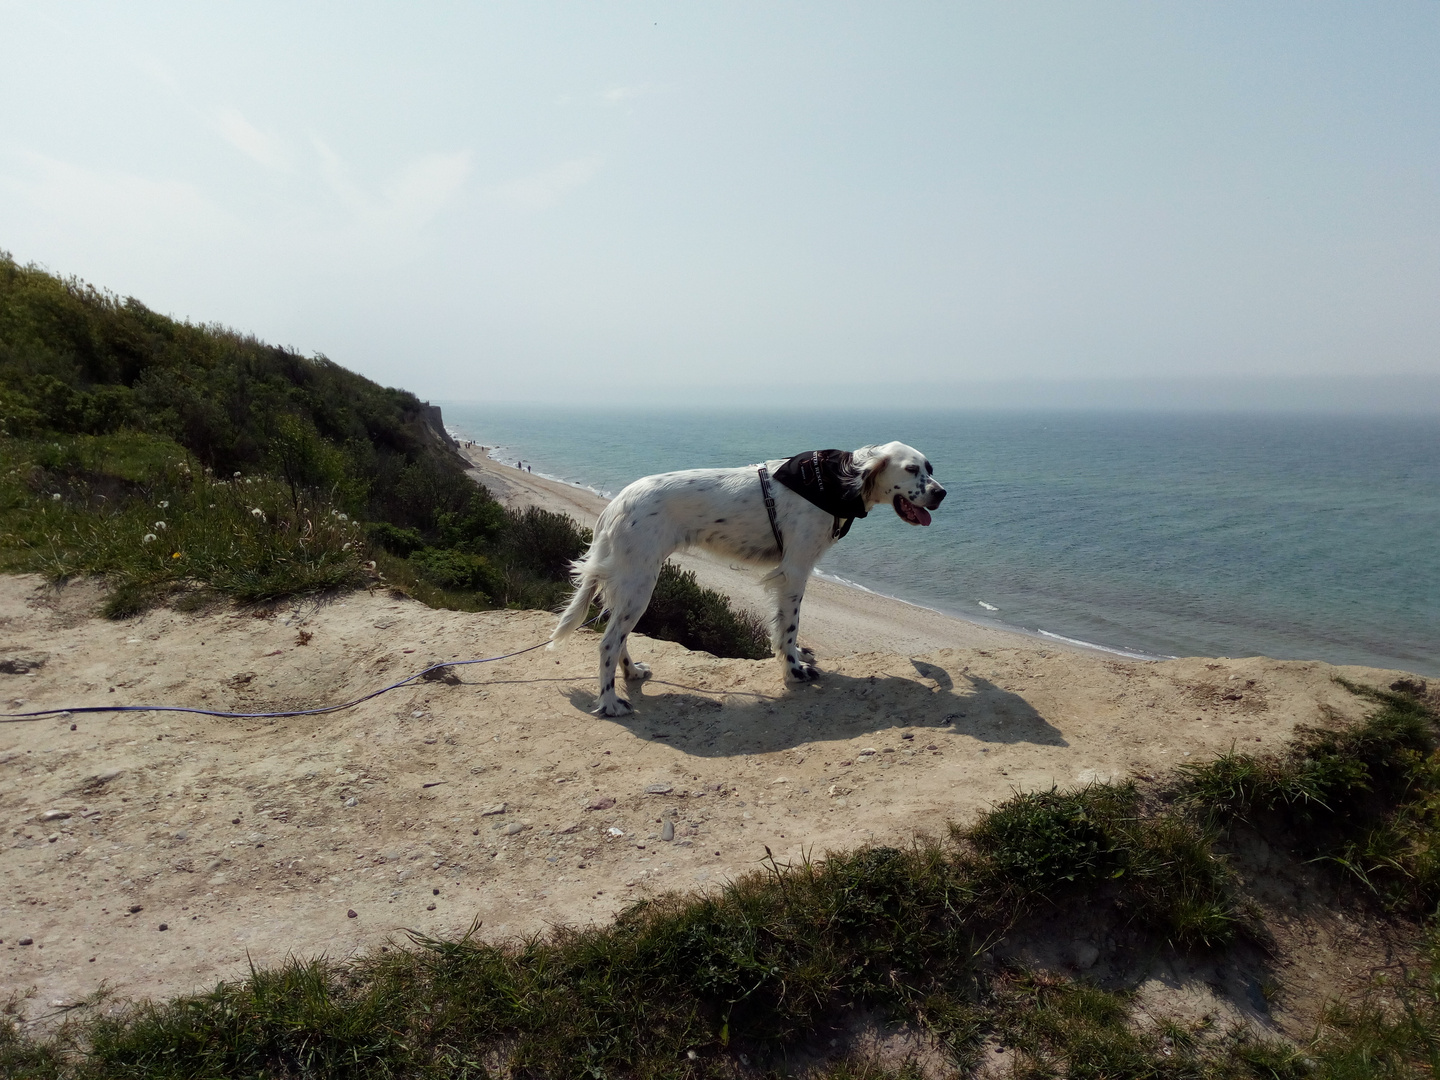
(1056, 1027)
(1364, 797)
(142, 513)
(1158, 867)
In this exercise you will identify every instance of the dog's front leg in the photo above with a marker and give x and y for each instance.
(798, 663)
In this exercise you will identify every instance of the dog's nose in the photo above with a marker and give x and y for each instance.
(937, 496)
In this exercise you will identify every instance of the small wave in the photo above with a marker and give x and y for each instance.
(838, 580)
(1128, 653)
(987, 607)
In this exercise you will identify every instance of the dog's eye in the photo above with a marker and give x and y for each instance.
(913, 469)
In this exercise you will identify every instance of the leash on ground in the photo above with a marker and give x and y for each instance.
(40, 714)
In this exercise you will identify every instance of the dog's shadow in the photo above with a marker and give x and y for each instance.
(837, 707)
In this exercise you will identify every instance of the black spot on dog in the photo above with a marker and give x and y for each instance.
(719, 521)
(790, 629)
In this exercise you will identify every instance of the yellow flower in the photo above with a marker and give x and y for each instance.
(176, 555)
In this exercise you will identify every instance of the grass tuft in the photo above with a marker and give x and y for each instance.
(1364, 797)
(1044, 847)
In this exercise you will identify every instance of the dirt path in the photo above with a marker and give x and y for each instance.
(501, 797)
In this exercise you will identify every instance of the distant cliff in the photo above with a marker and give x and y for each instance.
(430, 415)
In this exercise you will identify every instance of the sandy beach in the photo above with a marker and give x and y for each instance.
(154, 853)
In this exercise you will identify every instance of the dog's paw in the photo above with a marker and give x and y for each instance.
(802, 672)
(637, 672)
(618, 707)
(808, 655)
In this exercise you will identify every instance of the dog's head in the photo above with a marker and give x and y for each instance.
(900, 475)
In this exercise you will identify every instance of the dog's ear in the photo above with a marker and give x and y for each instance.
(870, 477)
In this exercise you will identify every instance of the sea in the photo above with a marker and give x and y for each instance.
(1305, 537)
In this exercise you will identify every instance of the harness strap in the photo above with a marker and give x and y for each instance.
(770, 507)
(837, 532)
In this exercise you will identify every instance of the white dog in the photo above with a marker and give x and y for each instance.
(784, 514)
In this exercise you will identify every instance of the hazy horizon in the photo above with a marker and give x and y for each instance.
(1118, 205)
(1400, 395)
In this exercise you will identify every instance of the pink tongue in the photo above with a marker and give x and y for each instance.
(915, 515)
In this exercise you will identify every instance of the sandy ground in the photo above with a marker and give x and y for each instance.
(157, 853)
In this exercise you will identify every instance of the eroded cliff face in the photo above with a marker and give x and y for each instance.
(434, 425)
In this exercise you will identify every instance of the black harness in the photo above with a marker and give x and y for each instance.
(822, 477)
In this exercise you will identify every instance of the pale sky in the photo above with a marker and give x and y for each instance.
(648, 201)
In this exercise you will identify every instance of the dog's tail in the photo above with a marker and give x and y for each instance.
(587, 584)
(589, 572)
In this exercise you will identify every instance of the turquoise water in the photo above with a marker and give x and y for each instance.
(1300, 537)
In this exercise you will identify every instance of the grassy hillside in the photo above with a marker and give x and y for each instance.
(175, 458)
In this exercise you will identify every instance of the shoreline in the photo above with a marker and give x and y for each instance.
(839, 618)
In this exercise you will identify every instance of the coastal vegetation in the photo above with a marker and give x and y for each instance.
(757, 977)
(186, 462)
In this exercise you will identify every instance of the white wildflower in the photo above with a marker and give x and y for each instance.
(164, 504)
(344, 517)
(160, 525)
(345, 547)
(55, 497)
(257, 512)
(237, 476)
(147, 538)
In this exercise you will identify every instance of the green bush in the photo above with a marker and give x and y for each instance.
(454, 570)
(394, 539)
(543, 542)
(683, 610)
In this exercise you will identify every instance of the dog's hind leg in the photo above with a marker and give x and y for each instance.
(628, 596)
(631, 669)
